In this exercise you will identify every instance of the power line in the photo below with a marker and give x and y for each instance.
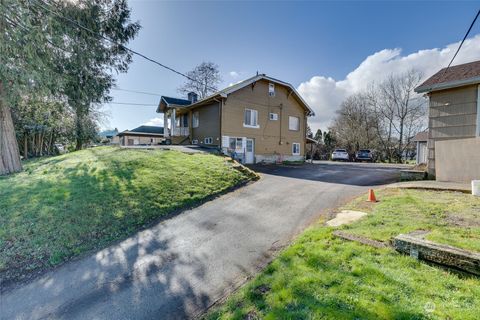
(133, 104)
(140, 92)
(461, 43)
(119, 44)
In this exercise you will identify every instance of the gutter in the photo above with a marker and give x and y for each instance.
(447, 85)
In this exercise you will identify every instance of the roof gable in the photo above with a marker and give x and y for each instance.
(455, 76)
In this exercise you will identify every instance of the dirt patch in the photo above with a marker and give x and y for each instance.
(459, 221)
(361, 239)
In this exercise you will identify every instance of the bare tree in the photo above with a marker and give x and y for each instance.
(204, 80)
(403, 106)
(355, 124)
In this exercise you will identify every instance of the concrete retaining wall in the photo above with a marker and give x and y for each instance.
(457, 160)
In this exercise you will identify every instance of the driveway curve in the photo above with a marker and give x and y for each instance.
(181, 266)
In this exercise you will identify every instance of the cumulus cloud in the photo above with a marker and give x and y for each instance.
(325, 94)
(154, 122)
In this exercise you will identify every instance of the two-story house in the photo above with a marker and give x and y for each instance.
(454, 122)
(260, 119)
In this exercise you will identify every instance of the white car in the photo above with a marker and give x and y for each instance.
(340, 154)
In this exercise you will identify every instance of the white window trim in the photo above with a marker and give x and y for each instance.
(289, 123)
(209, 139)
(270, 116)
(293, 148)
(248, 125)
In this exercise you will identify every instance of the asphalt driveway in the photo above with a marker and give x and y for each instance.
(180, 267)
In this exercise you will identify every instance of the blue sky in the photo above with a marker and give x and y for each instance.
(326, 49)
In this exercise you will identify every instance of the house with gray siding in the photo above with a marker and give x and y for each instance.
(454, 122)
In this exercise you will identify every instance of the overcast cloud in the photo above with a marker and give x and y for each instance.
(324, 94)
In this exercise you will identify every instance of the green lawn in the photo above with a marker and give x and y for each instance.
(323, 277)
(452, 218)
(62, 206)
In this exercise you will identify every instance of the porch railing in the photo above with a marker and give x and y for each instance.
(180, 132)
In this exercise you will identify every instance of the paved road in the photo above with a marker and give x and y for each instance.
(178, 268)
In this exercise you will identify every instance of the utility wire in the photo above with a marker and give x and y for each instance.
(119, 44)
(132, 103)
(140, 92)
(461, 43)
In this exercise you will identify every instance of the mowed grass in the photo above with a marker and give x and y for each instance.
(62, 206)
(323, 277)
(451, 218)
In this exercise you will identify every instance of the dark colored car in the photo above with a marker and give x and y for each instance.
(364, 155)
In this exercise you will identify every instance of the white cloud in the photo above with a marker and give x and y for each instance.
(324, 94)
(154, 122)
(234, 74)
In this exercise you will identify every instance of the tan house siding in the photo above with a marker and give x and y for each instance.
(452, 115)
(208, 125)
(135, 140)
(458, 160)
(272, 139)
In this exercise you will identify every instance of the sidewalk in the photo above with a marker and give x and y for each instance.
(433, 185)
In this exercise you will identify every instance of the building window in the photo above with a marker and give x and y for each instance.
(195, 120)
(271, 90)
(250, 118)
(185, 120)
(208, 140)
(194, 141)
(296, 149)
(293, 123)
(235, 143)
(273, 116)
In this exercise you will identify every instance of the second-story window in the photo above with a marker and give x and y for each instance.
(250, 118)
(293, 123)
(195, 119)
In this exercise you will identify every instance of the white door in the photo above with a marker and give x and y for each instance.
(250, 151)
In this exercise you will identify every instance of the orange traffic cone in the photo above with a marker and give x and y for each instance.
(371, 196)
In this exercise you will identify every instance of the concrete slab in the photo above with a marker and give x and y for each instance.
(433, 185)
(346, 217)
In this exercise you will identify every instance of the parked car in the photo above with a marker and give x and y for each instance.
(340, 154)
(364, 155)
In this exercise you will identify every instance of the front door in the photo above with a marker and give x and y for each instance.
(250, 151)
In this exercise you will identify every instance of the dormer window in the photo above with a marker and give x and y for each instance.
(271, 89)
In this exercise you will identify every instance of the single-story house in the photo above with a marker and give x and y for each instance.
(143, 135)
(111, 136)
(421, 140)
(454, 122)
(260, 119)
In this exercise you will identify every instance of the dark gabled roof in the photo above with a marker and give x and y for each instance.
(176, 101)
(456, 76)
(148, 129)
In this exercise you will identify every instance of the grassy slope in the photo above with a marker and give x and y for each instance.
(452, 218)
(322, 277)
(62, 206)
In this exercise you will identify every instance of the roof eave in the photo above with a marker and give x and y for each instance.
(447, 85)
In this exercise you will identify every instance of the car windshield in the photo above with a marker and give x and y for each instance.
(364, 151)
(340, 150)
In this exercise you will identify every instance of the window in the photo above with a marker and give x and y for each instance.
(235, 143)
(208, 140)
(296, 149)
(273, 116)
(195, 141)
(293, 123)
(250, 118)
(271, 90)
(185, 120)
(195, 119)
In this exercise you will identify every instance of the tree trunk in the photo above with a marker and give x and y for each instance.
(25, 145)
(9, 152)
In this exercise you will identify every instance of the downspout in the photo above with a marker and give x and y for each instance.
(220, 106)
